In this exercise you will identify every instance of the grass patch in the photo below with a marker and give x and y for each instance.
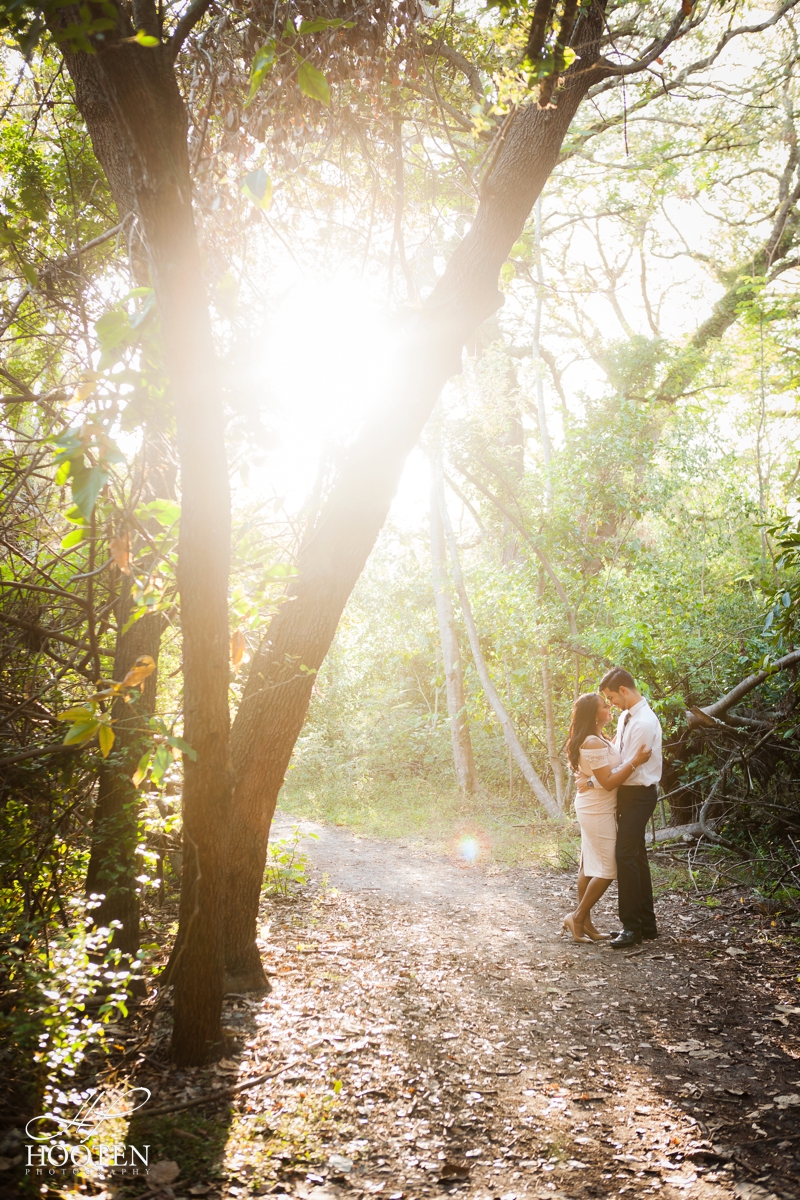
(503, 832)
(194, 1140)
(491, 828)
(669, 876)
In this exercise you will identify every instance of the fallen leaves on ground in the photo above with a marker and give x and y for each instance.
(459, 1046)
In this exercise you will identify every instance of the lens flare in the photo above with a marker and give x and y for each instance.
(469, 848)
(470, 845)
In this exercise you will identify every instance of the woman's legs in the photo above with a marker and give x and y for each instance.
(590, 889)
(583, 882)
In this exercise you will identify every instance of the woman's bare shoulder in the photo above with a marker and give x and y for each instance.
(593, 742)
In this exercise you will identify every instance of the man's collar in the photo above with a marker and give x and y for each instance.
(635, 707)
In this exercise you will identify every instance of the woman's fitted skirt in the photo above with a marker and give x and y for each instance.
(596, 811)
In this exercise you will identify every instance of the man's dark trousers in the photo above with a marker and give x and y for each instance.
(635, 807)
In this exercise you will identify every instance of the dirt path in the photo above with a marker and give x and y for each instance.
(433, 1033)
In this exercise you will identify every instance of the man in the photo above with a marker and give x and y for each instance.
(636, 802)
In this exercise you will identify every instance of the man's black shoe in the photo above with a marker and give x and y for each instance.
(626, 938)
(648, 935)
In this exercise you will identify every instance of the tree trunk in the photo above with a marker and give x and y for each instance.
(556, 766)
(129, 98)
(282, 672)
(115, 820)
(451, 654)
(113, 864)
(490, 691)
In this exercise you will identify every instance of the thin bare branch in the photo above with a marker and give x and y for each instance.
(194, 13)
(442, 50)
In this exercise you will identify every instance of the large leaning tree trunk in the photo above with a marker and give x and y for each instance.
(128, 95)
(463, 759)
(282, 672)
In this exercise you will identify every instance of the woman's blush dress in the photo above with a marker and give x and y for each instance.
(596, 810)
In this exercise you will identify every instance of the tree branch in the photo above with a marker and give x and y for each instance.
(718, 709)
(667, 86)
(40, 752)
(50, 269)
(60, 592)
(457, 116)
(763, 263)
(51, 634)
(650, 55)
(465, 500)
(550, 360)
(442, 50)
(194, 13)
(705, 813)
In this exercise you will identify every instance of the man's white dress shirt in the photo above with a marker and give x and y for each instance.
(635, 726)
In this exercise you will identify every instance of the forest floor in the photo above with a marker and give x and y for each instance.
(428, 1033)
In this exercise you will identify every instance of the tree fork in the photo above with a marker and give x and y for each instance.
(283, 669)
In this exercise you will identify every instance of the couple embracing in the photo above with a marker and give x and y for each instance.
(617, 782)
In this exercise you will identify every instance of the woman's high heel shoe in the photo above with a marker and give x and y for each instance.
(569, 927)
(592, 933)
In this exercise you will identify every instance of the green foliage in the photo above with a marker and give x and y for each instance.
(85, 419)
(287, 865)
(27, 177)
(310, 79)
(313, 83)
(657, 522)
(262, 64)
(257, 186)
(65, 993)
(780, 622)
(26, 24)
(159, 757)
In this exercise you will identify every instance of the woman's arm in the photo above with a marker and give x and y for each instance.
(609, 778)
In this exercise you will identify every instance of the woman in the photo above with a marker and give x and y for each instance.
(600, 770)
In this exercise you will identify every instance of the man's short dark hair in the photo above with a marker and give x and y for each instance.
(614, 679)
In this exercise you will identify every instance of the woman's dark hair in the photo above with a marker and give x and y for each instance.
(584, 723)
